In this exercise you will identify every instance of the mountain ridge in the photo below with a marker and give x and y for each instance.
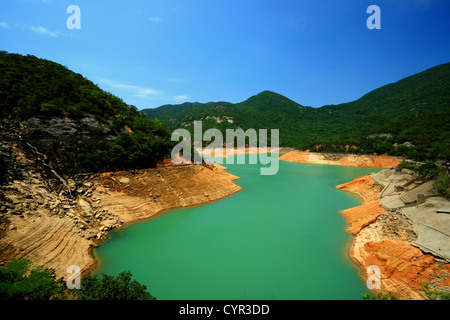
(413, 113)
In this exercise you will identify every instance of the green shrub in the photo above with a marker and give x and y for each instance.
(108, 287)
(442, 185)
(428, 168)
(434, 294)
(21, 281)
(380, 296)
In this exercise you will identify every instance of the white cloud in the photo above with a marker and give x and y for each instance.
(45, 31)
(155, 19)
(181, 98)
(136, 91)
(37, 29)
(4, 25)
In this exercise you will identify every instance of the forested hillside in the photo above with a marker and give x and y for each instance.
(410, 118)
(81, 127)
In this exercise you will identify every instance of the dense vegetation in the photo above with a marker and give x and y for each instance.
(410, 118)
(33, 87)
(106, 287)
(19, 280)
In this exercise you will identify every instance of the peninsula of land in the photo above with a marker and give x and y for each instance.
(56, 231)
(342, 159)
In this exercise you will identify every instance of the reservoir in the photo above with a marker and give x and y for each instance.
(282, 237)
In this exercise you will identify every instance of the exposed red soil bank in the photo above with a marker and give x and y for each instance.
(384, 239)
(350, 160)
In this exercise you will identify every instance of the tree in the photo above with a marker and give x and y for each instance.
(19, 280)
(108, 287)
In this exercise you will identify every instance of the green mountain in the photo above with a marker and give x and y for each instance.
(267, 110)
(67, 117)
(410, 117)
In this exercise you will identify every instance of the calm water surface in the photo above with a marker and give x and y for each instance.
(282, 237)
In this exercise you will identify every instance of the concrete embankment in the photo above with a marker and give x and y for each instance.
(399, 229)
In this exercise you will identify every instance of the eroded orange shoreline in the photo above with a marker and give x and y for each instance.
(55, 233)
(381, 237)
(384, 239)
(172, 187)
(342, 159)
(122, 204)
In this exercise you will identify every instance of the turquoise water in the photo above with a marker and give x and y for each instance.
(282, 237)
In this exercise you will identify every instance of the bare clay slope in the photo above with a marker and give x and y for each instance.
(388, 237)
(42, 223)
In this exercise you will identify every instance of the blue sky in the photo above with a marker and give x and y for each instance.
(150, 53)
